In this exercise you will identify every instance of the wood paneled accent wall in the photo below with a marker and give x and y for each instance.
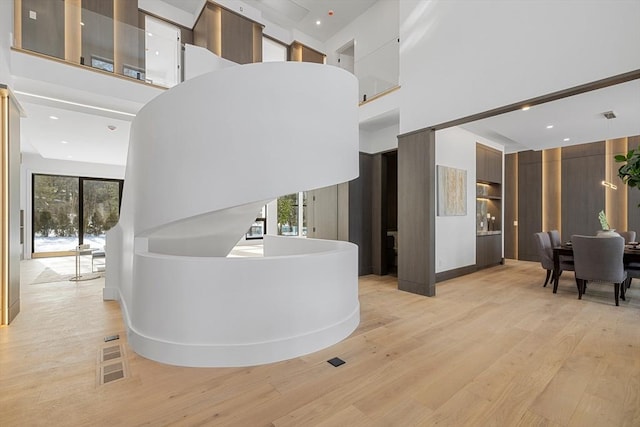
(583, 169)
(510, 201)
(301, 53)
(42, 23)
(633, 200)
(529, 203)
(229, 35)
(416, 212)
(360, 192)
(488, 164)
(562, 189)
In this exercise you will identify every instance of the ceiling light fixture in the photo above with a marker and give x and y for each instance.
(525, 108)
(108, 110)
(549, 126)
(567, 139)
(53, 117)
(609, 185)
(111, 127)
(318, 22)
(157, 53)
(609, 115)
(82, 24)
(64, 142)
(150, 34)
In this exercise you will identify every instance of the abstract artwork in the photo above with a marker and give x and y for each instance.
(452, 191)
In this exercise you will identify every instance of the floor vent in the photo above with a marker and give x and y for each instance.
(112, 363)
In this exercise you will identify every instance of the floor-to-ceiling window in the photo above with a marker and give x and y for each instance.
(69, 211)
(292, 215)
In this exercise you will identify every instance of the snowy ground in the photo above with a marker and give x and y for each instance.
(56, 244)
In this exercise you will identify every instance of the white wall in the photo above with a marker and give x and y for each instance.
(459, 58)
(6, 24)
(34, 164)
(456, 235)
(379, 140)
(372, 29)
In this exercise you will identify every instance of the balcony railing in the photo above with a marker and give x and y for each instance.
(80, 36)
(378, 71)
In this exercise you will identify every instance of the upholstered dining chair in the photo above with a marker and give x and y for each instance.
(599, 259)
(566, 262)
(628, 236)
(545, 252)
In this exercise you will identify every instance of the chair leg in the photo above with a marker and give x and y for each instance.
(622, 291)
(579, 283)
(547, 279)
(616, 287)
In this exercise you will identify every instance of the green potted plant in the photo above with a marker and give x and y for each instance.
(629, 172)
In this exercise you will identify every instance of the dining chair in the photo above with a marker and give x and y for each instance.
(566, 262)
(628, 236)
(599, 260)
(545, 252)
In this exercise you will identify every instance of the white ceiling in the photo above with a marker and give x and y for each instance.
(89, 140)
(578, 118)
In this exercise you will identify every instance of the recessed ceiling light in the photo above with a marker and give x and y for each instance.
(157, 52)
(318, 22)
(53, 117)
(69, 157)
(150, 34)
(525, 108)
(64, 142)
(549, 126)
(567, 139)
(111, 127)
(82, 23)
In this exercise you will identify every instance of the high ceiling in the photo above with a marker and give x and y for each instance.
(88, 137)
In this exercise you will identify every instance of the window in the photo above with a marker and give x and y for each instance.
(291, 209)
(259, 228)
(69, 211)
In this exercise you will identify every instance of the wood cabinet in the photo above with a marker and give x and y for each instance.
(488, 206)
(488, 250)
(488, 164)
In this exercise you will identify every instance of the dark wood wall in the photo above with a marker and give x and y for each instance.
(45, 33)
(633, 205)
(416, 212)
(583, 196)
(360, 192)
(237, 38)
(392, 190)
(529, 203)
(510, 207)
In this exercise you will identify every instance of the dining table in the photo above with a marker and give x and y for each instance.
(631, 255)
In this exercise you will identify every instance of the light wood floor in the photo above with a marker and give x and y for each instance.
(493, 348)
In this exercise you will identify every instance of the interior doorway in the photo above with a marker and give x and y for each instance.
(389, 214)
(162, 52)
(346, 57)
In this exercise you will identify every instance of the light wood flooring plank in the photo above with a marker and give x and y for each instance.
(493, 348)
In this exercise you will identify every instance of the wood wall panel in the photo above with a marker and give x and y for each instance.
(583, 196)
(510, 204)
(488, 164)
(633, 202)
(237, 38)
(392, 190)
(529, 203)
(310, 55)
(552, 190)
(378, 214)
(360, 213)
(45, 33)
(416, 212)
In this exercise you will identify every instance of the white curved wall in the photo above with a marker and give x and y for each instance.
(188, 198)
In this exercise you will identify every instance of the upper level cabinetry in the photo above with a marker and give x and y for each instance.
(488, 164)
